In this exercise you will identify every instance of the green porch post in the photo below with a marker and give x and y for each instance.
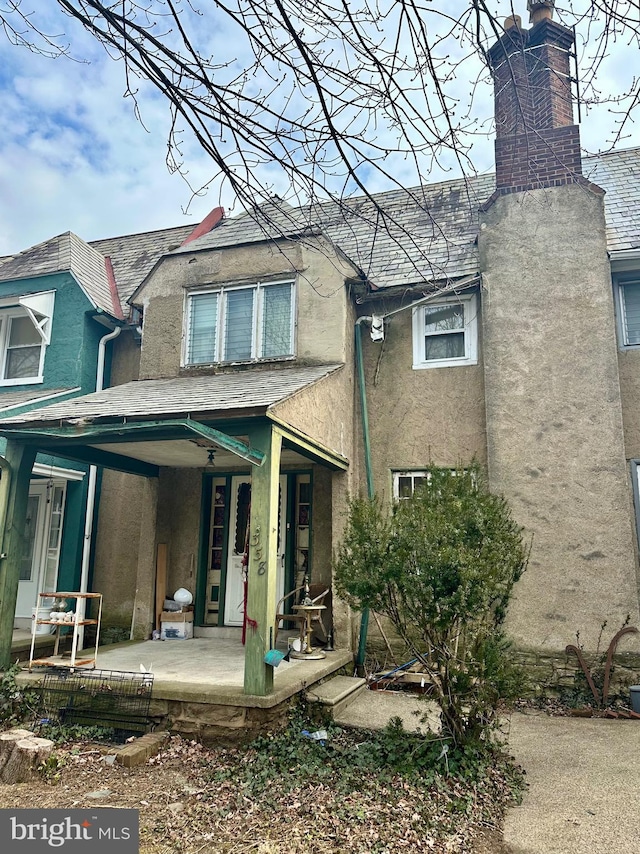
(263, 561)
(14, 492)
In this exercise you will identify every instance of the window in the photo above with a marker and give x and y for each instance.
(21, 347)
(629, 296)
(406, 482)
(445, 332)
(240, 324)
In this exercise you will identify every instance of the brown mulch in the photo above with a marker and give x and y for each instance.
(183, 812)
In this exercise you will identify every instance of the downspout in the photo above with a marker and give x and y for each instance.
(364, 620)
(91, 492)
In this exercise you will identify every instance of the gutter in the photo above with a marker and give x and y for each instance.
(91, 497)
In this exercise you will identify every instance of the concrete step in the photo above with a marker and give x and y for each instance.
(220, 632)
(336, 693)
(374, 709)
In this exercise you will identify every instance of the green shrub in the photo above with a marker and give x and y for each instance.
(441, 566)
(17, 704)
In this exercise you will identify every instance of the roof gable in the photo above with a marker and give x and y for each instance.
(66, 253)
(227, 392)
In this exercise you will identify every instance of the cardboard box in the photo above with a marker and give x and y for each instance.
(176, 625)
(176, 616)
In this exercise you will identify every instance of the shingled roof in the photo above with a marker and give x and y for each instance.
(619, 174)
(134, 255)
(405, 238)
(179, 396)
(66, 253)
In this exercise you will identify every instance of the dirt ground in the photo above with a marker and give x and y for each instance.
(181, 810)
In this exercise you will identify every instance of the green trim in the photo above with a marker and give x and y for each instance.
(138, 431)
(289, 523)
(263, 559)
(225, 550)
(311, 525)
(364, 620)
(203, 547)
(69, 565)
(14, 494)
(297, 441)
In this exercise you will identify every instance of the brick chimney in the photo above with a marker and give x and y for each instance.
(537, 144)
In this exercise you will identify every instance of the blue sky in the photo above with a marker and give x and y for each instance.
(74, 157)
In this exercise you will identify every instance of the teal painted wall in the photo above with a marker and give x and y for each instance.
(70, 362)
(72, 536)
(70, 358)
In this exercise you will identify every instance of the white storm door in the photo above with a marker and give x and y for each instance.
(238, 528)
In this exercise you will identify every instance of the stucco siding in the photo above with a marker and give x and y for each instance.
(554, 412)
(323, 411)
(417, 417)
(179, 499)
(125, 359)
(118, 545)
(321, 299)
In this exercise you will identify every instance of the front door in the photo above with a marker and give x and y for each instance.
(43, 530)
(240, 509)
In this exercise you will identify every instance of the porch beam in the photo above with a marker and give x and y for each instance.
(14, 492)
(263, 562)
(309, 447)
(133, 431)
(100, 457)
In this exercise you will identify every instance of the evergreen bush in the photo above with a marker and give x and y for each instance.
(441, 566)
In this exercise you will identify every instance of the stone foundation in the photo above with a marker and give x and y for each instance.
(211, 723)
(549, 673)
(555, 675)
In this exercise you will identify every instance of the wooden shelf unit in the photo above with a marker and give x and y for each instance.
(56, 660)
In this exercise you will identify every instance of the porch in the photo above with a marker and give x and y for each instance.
(195, 441)
(198, 688)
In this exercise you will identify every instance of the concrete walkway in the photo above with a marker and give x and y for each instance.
(584, 785)
(583, 774)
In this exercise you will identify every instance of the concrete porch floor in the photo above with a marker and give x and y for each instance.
(198, 683)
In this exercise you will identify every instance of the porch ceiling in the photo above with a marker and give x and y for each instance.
(180, 453)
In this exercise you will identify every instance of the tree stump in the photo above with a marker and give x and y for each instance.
(23, 761)
(8, 741)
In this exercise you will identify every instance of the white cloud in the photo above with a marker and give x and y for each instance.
(73, 156)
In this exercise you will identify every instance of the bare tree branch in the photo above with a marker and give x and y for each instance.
(328, 99)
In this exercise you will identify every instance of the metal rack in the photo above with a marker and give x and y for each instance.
(57, 660)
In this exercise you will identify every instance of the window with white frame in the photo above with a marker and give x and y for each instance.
(445, 332)
(240, 324)
(22, 348)
(406, 482)
(629, 303)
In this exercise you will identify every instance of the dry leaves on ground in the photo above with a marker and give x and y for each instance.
(183, 810)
